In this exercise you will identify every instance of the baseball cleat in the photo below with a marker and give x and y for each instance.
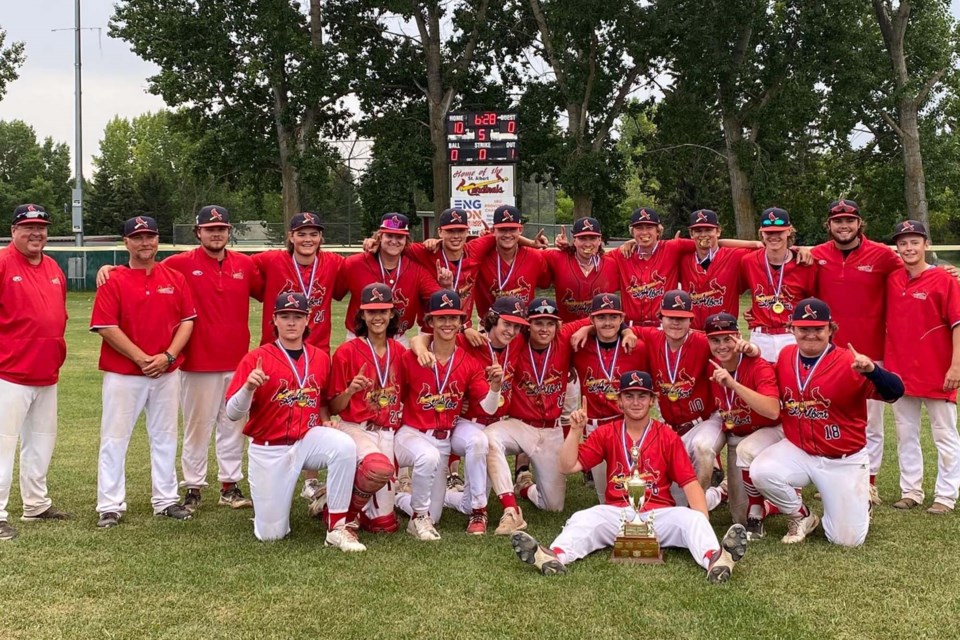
(404, 484)
(875, 496)
(234, 499)
(510, 522)
(191, 501)
(939, 509)
(905, 503)
(344, 537)
(716, 477)
(6, 531)
(754, 529)
(454, 482)
(177, 512)
(532, 552)
(108, 520)
(732, 548)
(310, 487)
(798, 528)
(319, 503)
(524, 481)
(421, 528)
(52, 513)
(478, 522)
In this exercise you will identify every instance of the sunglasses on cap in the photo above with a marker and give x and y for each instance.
(778, 222)
(843, 207)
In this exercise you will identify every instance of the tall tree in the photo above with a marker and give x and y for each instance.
(263, 67)
(10, 60)
(34, 171)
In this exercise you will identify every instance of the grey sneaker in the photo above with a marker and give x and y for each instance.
(52, 513)
(732, 548)
(108, 520)
(234, 499)
(191, 501)
(177, 512)
(6, 531)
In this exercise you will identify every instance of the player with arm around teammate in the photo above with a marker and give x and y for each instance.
(661, 455)
(281, 388)
(824, 390)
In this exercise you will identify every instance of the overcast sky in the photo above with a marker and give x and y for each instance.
(114, 79)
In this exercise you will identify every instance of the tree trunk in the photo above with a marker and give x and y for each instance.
(290, 177)
(914, 183)
(441, 179)
(744, 212)
(582, 205)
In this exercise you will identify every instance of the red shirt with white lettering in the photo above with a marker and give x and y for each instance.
(685, 395)
(411, 285)
(464, 274)
(644, 280)
(33, 318)
(799, 282)
(147, 307)
(222, 292)
(715, 289)
(281, 408)
(540, 377)
(574, 290)
(921, 315)
(599, 369)
(520, 278)
(829, 417)
(280, 273)
(662, 455)
(855, 288)
(379, 405)
(738, 418)
(466, 383)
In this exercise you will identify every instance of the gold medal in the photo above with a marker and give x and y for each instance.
(501, 402)
(301, 401)
(383, 400)
(728, 424)
(778, 307)
(610, 395)
(439, 408)
(673, 395)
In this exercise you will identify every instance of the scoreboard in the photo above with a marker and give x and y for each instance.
(482, 137)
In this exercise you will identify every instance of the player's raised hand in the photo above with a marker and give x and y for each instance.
(370, 245)
(861, 363)
(360, 381)
(103, 274)
(432, 244)
(746, 348)
(257, 377)
(444, 276)
(486, 228)
(540, 240)
(721, 376)
(560, 241)
(494, 376)
(952, 379)
(578, 418)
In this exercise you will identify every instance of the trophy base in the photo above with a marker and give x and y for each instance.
(631, 549)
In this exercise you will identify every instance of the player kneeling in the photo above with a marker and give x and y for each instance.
(662, 455)
(281, 386)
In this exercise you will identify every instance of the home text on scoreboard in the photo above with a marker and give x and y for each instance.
(482, 137)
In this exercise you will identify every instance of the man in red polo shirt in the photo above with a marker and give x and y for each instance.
(144, 315)
(33, 318)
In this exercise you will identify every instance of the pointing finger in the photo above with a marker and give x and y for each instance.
(715, 363)
(260, 362)
(363, 369)
(852, 350)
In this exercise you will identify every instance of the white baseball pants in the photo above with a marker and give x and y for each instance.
(749, 447)
(943, 424)
(875, 430)
(202, 397)
(469, 441)
(367, 442)
(124, 399)
(771, 344)
(511, 436)
(703, 443)
(428, 458)
(571, 398)
(30, 415)
(275, 470)
(843, 483)
(597, 527)
(599, 472)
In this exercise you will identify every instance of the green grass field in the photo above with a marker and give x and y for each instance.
(210, 578)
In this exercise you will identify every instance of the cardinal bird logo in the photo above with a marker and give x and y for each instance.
(291, 301)
(216, 215)
(677, 302)
(772, 217)
(445, 301)
(545, 307)
(376, 296)
(308, 218)
(507, 216)
(809, 312)
(635, 380)
(32, 208)
(455, 217)
(518, 309)
(644, 215)
(607, 303)
(587, 225)
(140, 223)
(907, 226)
(701, 217)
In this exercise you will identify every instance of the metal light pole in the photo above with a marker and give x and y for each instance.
(77, 216)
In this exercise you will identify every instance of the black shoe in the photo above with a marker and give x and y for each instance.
(177, 512)
(454, 482)
(754, 529)
(716, 478)
(191, 501)
(52, 513)
(6, 531)
(108, 520)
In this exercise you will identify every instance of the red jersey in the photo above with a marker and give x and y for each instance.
(682, 378)
(829, 416)
(411, 284)
(425, 405)
(282, 274)
(540, 377)
(222, 292)
(798, 282)
(738, 418)
(497, 279)
(599, 369)
(921, 315)
(381, 404)
(147, 307)
(643, 281)
(574, 290)
(282, 408)
(33, 318)
(464, 273)
(507, 359)
(715, 289)
(854, 287)
(662, 455)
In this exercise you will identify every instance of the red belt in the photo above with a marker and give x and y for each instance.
(279, 442)
(439, 434)
(771, 331)
(542, 424)
(683, 429)
(487, 420)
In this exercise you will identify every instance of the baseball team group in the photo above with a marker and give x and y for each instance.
(636, 365)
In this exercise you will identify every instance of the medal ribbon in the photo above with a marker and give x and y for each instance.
(501, 283)
(313, 274)
(456, 277)
(301, 381)
(383, 272)
(436, 374)
(802, 386)
(779, 286)
(537, 374)
(647, 256)
(493, 354)
(381, 377)
(672, 375)
(613, 364)
(711, 254)
(728, 394)
(624, 439)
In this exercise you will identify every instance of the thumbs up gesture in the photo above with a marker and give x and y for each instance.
(861, 363)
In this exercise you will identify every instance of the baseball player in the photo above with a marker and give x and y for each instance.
(776, 282)
(923, 347)
(433, 398)
(33, 318)
(852, 273)
(144, 315)
(406, 279)
(661, 455)
(600, 362)
(580, 271)
(365, 392)
(824, 389)
(745, 393)
(539, 380)
(279, 389)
